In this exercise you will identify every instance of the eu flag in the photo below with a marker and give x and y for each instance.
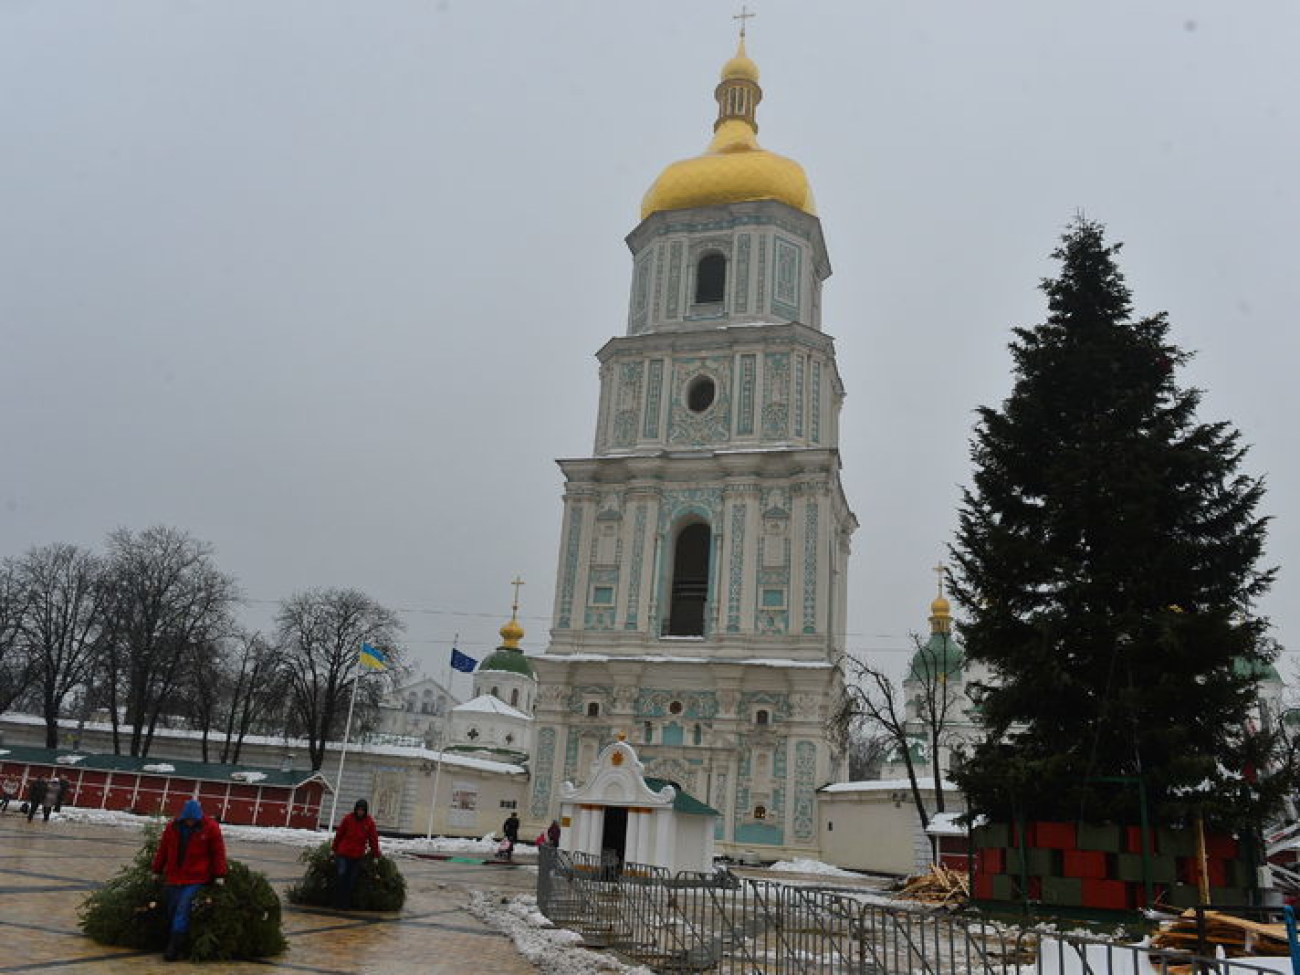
(462, 662)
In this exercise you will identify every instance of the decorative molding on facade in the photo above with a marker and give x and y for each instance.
(544, 763)
(810, 563)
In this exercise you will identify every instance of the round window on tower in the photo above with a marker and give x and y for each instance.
(700, 393)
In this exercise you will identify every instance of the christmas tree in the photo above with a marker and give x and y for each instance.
(1107, 564)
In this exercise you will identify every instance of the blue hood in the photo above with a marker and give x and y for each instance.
(191, 810)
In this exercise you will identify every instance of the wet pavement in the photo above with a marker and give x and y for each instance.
(47, 869)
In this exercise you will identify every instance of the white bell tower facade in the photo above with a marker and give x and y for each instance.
(701, 586)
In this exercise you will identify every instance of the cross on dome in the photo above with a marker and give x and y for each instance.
(743, 16)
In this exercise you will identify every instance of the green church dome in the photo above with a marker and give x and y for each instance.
(511, 660)
(1261, 670)
(941, 655)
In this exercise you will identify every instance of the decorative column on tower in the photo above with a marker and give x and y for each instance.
(701, 585)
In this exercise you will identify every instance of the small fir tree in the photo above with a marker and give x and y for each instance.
(1108, 565)
(380, 885)
(240, 919)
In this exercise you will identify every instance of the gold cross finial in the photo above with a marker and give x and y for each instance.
(514, 610)
(940, 570)
(743, 16)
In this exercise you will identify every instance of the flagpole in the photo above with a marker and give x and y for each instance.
(442, 744)
(347, 731)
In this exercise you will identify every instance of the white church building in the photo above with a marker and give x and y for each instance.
(701, 582)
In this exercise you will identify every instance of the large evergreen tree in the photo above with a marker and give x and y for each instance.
(1107, 566)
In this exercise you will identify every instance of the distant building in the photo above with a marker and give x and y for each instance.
(497, 723)
(936, 683)
(415, 713)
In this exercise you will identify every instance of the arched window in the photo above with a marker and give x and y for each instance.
(593, 710)
(690, 586)
(514, 697)
(649, 732)
(496, 692)
(761, 717)
(697, 735)
(710, 279)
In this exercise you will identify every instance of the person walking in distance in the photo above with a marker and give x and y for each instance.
(64, 794)
(355, 833)
(553, 833)
(53, 796)
(8, 791)
(511, 829)
(36, 794)
(191, 853)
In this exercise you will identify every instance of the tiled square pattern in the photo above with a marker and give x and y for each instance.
(46, 870)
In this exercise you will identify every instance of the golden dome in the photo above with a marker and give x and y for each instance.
(940, 607)
(511, 634)
(734, 168)
(740, 67)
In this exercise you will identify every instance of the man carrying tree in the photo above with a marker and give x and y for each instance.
(191, 853)
(355, 834)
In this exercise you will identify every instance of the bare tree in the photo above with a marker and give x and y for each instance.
(867, 750)
(259, 688)
(15, 667)
(61, 623)
(320, 633)
(166, 597)
(877, 700)
(928, 709)
(203, 689)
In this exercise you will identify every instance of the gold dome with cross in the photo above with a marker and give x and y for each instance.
(734, 168)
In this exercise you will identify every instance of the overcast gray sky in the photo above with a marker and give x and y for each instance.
(322, 283)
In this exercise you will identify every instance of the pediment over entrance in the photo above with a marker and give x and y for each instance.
(617, 778)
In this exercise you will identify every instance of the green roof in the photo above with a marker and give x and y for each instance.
(1261, 670)
(683, 802)
(510, 660)
(940, 655)
(108, 762)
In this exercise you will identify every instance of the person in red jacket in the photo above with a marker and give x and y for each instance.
(190, 854)
(355, 833)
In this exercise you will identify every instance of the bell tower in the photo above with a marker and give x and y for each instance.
(701, 584)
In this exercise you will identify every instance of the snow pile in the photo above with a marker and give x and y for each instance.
(161, 767)
(555, 951)
(811, 866)
(248, 776)
(69, 759)
(416, 846)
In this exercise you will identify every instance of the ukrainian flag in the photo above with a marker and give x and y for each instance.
(373, 657)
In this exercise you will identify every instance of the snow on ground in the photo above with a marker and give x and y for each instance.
(555, 951)
(811, 866)
(295, 837)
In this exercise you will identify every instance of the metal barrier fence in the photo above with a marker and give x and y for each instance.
(721, 923)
